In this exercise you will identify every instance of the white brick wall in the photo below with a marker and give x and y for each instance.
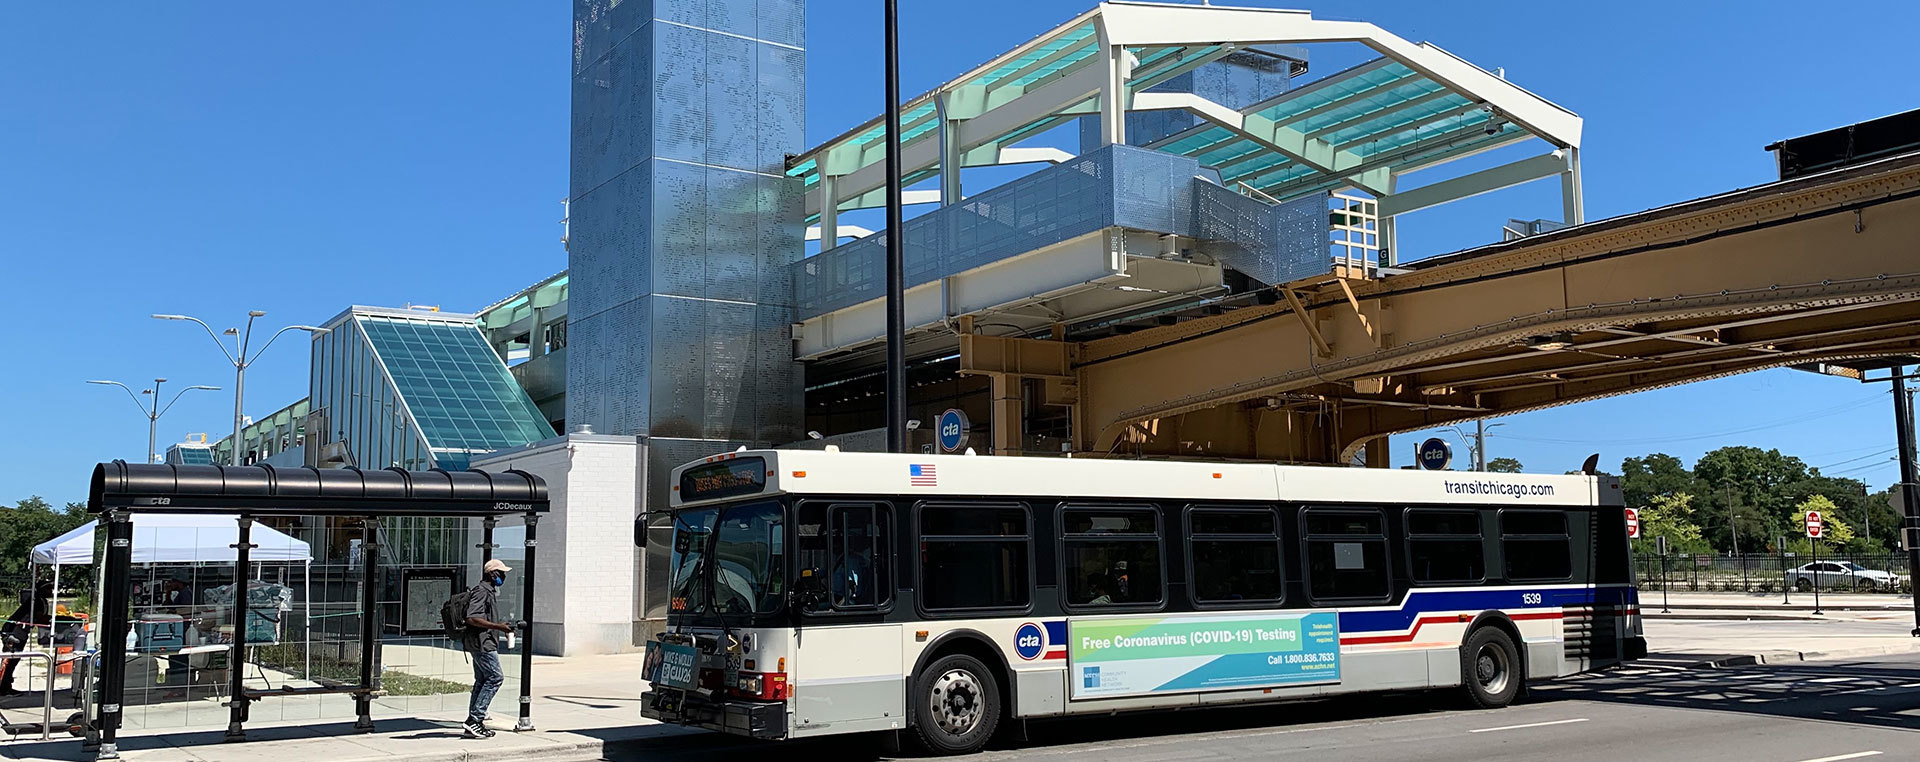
(586, 587)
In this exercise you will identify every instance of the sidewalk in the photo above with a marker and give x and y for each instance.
(1774, 606)
(1722, 642)
(580, 705)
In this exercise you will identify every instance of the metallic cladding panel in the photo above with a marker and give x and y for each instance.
(612, 123)
(683, 224)
(603, 224)
(599, 380)
(1300, 229)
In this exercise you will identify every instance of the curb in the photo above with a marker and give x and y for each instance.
(1788, 657)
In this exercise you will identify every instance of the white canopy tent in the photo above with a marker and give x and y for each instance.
(182, 538)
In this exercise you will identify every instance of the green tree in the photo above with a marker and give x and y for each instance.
(1504, 466)
(1656, 474)
(1671, 516)
(30, 522)
(1837, 536)
(1753, 484)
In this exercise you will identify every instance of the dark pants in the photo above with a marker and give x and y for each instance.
(486, 682)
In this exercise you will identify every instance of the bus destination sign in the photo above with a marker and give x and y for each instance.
(727, 478)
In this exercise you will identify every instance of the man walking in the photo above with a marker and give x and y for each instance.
(483, 642)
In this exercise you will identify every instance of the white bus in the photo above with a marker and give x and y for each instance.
(818, 593)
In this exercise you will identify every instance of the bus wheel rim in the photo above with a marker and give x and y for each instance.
(956, 702)
(1491, 668)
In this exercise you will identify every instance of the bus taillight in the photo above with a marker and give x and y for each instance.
(770, 686)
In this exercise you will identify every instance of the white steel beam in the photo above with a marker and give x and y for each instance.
(1280, 138)
(1467, 186)
(1160, 24)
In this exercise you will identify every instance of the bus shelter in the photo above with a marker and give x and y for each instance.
(120, 491)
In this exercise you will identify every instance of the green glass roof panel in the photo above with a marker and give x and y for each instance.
(1384, 100)
(1391, 120)
(1345, 88)
(459, 392)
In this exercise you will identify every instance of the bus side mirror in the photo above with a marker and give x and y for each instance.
(640, 531)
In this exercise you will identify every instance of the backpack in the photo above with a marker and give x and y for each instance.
(453, 615)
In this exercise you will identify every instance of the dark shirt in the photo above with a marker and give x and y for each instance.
(484, 602)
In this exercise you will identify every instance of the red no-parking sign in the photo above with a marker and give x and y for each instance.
(1633, 524)
(1814, 526)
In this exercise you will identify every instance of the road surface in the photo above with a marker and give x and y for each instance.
(1807, 712)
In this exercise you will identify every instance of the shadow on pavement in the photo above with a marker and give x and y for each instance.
(1042, 734)
(69, 750)
(1875, 693)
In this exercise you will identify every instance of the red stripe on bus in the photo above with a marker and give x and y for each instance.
(1441, 619)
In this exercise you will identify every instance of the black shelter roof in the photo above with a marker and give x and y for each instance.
(306, 491)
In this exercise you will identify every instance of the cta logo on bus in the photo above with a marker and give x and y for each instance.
(1030, 641)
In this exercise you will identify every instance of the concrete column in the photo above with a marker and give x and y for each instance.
(537, 334)
(1113, 91)
(949, 157)
(829, 212)
(1573, 206)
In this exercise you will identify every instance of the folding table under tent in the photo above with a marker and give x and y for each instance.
(185, 539)
(122, 491)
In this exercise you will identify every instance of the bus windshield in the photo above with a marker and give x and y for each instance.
(729, 560)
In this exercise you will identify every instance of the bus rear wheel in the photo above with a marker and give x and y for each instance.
(1490, 668)
(958, 707)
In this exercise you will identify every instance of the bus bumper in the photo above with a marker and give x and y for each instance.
(765, 720)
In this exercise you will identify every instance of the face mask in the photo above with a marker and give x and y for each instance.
(498, 579)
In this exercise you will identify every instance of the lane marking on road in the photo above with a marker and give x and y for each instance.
(1855, 755)
(1537, 725)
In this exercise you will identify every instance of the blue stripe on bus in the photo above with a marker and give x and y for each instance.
(1420, 602)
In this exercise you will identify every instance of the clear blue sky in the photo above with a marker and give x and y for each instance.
(211, 158)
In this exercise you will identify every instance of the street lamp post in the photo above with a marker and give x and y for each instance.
(155, 410)
(241, 361)
(1479, 443)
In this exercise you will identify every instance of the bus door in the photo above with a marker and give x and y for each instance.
(847, 672)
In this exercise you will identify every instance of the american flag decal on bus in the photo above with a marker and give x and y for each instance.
(922, 475)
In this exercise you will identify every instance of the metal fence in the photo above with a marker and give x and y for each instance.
(1765, 573)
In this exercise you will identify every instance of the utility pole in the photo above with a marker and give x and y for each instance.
(896, 246)
(1910, 533)
(1480, 445)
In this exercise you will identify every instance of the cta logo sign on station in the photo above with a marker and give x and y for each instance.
(952, 433)
(1434, 454)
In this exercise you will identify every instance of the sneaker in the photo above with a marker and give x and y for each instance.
(476, 729)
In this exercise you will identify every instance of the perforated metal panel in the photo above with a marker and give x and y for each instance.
(1116, 186)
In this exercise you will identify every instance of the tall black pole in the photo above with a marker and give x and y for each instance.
(896, 248)
(237, 658)
(113, 631)
(1909, 492)
(369, 625)
(525, 722)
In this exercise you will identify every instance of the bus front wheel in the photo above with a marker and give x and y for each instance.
(958, 707)
(1490, 668)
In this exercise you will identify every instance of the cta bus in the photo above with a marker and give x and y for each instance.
(816, 593)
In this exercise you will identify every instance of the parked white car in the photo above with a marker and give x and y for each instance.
(1845, 575)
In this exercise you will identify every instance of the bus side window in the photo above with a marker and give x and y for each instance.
(1112, 556)
(1235, 556)
(857, 574)
(1445, 546)
(974, 556)
(1346, 553)
(846, 550)
(1535, 545)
